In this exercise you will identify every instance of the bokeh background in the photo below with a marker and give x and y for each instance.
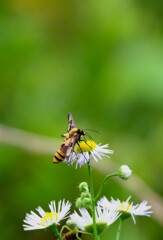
(100, 60)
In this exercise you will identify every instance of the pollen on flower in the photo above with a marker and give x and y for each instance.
(48, 217)
(85, 146)
(125, 207)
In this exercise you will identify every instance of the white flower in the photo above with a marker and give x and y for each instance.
(126, 208)
(86, 150)
(33, 221)
(124, 172)
(84, 221)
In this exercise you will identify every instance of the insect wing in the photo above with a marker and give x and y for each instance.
(71, 122)
(70, 149)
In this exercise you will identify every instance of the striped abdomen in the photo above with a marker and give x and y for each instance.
(59, 156)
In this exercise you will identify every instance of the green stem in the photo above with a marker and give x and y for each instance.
(55, 230)
(93, 202)
(104, 182)
(119, 230)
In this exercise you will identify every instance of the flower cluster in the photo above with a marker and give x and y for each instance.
(94, 214)
(107, 212)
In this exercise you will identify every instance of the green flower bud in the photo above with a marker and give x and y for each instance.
(83, 187)
(83, 203)
(80, 203)
(87, 202)
(85, 195)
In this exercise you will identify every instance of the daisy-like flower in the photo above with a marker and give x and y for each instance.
(86, 150)
(84, 221)
(33, 221)
(126, 208)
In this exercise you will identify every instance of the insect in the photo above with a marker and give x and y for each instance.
(72, 137)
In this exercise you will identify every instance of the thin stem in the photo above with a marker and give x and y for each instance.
(104, 182)
(93, 202)
(55, 230)
(119, 230)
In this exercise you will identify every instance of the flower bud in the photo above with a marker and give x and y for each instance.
(83, 203)
(79, 203)
(87, 202)
(124, 172)
(83, 187)
(85, 195)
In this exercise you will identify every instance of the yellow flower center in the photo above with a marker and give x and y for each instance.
(48, 217)
(124, 207)
(85, 146)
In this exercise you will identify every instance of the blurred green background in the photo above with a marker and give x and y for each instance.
(100, 60)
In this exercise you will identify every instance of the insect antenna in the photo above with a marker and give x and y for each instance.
(89, 129)
(87, 134)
